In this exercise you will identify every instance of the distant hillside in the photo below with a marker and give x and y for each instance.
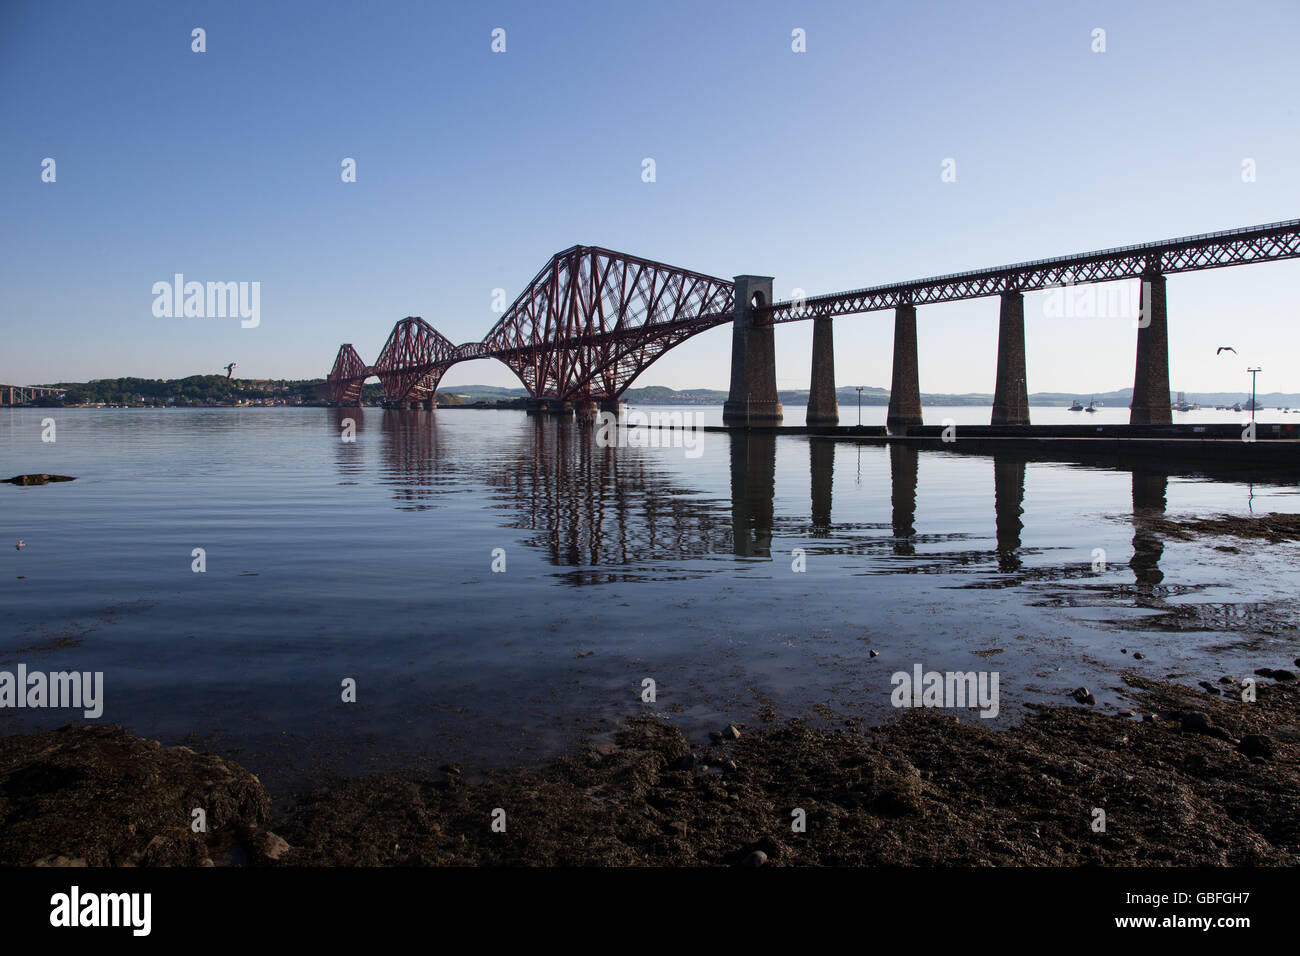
(192, 390)
(482, 393)
(219, 390)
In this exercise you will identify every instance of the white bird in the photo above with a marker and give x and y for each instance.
(20, 545)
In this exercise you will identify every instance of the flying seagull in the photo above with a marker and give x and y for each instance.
(231, 368)
(1226, 348)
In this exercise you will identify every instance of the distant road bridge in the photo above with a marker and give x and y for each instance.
(592, 320)
(22, 394)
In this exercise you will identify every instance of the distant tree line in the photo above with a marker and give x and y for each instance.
(204, 390)
(194, 390)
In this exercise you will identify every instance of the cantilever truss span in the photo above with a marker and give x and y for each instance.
(592, 320)
(586, 326)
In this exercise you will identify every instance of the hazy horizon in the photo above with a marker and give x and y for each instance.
(876, 390)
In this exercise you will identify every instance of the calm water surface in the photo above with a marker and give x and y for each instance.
(372, 560)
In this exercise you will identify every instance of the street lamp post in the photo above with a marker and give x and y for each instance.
(859, 406)
(1253, 372)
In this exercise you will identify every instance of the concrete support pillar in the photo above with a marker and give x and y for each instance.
(1151, 376)
(752, 400)
(905, 389)
(823, 409)
(1010, 392)
(614, 406)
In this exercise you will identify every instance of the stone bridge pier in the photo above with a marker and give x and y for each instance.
(1010, 388)
(752, 400)
(823, 408)
(905, 385)
(1151, 375)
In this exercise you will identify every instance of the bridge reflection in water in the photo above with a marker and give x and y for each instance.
(903, 467)
(753, 490)
(613, 513)
(1149, 491)
(1008, 506)
(600, 509)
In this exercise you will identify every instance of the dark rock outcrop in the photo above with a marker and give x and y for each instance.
(101, 796)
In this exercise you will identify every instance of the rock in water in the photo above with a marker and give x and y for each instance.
(1083, 696)
(1275, 673)
(757, 858)
(37, 479)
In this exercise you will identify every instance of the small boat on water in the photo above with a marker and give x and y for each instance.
(1075, 406)
(1092, 406)
(1236, 407)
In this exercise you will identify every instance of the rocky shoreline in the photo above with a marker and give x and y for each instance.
(1273, 528)
(1190, 777)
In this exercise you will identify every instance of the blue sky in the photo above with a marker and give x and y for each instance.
(819, 168)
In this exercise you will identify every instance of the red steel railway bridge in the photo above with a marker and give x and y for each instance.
(592, 320)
